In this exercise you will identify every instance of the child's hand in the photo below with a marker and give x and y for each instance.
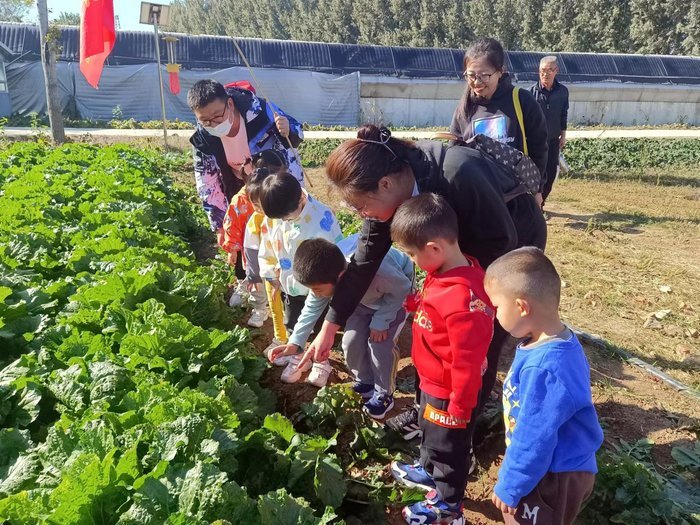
(377, 336)
(282, 125)
(220, 236)
(505, 509)
(232, 258)
(282, 350)
(251, 287)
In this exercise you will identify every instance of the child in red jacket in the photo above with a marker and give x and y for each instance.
(452, 329)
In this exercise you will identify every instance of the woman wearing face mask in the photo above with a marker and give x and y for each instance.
(488, 105)
(233, 124)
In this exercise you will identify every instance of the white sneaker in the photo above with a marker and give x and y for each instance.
(293, 372)
(319, 374)
(258, 317)
(282, 360)
(240, 293)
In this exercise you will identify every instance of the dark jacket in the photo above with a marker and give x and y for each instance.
(475, 187)
(497, 119)
(555, 105)
(216, 182)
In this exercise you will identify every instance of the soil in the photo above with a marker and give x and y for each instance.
(631, 405)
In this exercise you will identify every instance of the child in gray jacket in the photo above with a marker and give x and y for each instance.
(369, 342)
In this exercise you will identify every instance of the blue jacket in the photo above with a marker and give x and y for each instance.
(385, 295)
(215, 180)
(551, 424)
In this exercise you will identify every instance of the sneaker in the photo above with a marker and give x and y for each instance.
(433, 510)
(406, 423)
(472, 461)
(281, 360)
(293, 372)
(366, 390)
(379, 404)
(319, 374)
(413, 476)
(258, 317)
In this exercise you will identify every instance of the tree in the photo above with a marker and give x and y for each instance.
(48, 61)
(67, 19)
(14, 10)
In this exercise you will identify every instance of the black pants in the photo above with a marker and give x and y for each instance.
(293, 305)
(551, 170)
(444, 449)
(239, 268)
(500, 337)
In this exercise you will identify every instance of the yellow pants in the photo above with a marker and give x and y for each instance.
(277, 312)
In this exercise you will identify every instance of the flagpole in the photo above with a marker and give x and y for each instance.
(160, 81)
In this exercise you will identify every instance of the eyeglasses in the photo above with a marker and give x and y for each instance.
(548, 70)
(481, 77)
(215, 120)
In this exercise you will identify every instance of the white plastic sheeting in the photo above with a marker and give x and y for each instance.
(316, 98)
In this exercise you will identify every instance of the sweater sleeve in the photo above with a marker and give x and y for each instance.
(296, 132)
(372, 246)
(455, 125)
(267, 258)
(544, 405)
(313, 308)
(470, 334)
(535, 129)
(207, 178)
(395, 287)
(565, 110)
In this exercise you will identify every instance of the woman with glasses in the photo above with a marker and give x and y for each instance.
(489, 105)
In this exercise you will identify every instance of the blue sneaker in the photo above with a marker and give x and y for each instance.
(366, 390)
(433, 510)
(413, 476)
(379, 405)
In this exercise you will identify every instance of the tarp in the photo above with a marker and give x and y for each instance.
(316, 98)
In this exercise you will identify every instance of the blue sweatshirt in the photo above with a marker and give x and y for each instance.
(385, 295)
(551, 424)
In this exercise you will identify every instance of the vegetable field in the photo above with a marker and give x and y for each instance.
(128, 394)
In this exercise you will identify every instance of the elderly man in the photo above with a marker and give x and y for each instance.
(553, 98)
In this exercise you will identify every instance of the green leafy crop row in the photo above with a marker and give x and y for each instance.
(127, 394)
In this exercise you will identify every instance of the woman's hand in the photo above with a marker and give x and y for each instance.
(282, 124)
(320, 349)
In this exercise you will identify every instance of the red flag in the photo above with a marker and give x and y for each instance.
(97, 36)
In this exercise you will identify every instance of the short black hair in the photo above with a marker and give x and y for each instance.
(253, 183)
(204, 92)
(271, 159)
(318, 261)
(422, 219)
(280, 194)
(526, 273)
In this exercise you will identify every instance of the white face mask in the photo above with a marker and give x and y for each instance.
(220, 130)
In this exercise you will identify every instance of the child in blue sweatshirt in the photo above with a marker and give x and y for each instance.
(552, 430)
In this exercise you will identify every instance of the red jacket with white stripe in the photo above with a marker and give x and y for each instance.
(452, 330)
